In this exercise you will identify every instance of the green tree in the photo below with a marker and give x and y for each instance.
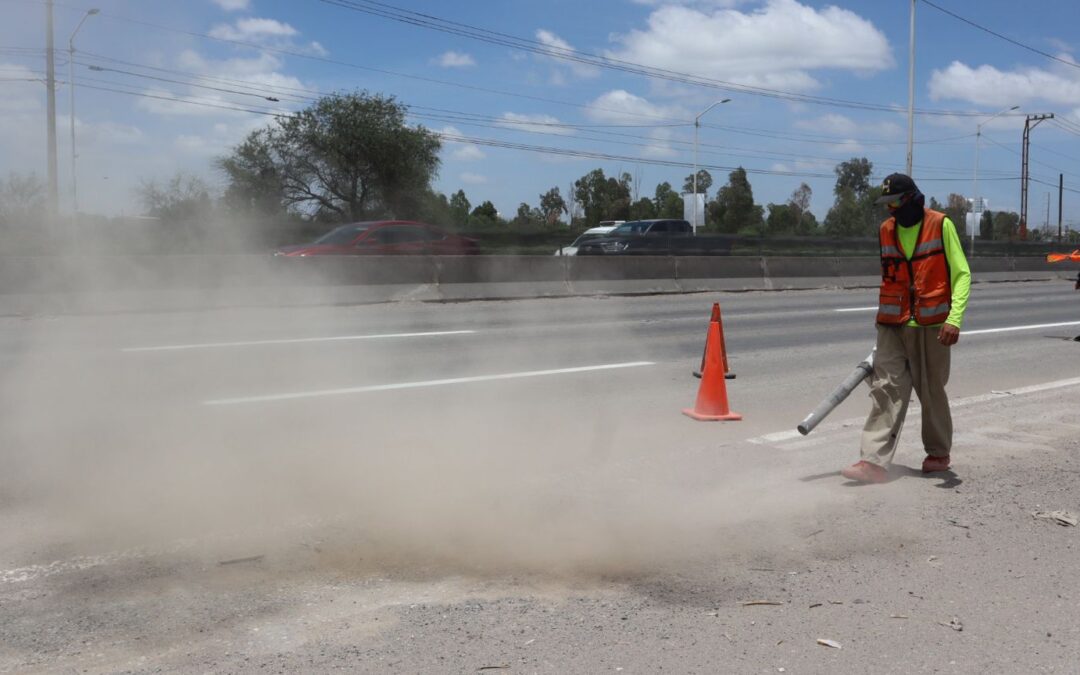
(346, 157)
(642, 209)
(1006, 225)
(459, 209)
(854, 175)
(183, 198)
(957, 210)
(434, 208)
(552, 206)
(782, 219)
(527, 218)
(255, 184)
(740, 214)
(854, 213)
(485, 215)
(805, 222)
(22, 199)
(847, 217)
(986, 225)
(602, 197)
(704, 182)
(669, 204)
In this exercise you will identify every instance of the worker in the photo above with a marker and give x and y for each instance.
(925, 281)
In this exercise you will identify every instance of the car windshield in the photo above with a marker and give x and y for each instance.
(588, 236)
(341, 235)
(630, 228)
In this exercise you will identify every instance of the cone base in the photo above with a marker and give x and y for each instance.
(701, 417)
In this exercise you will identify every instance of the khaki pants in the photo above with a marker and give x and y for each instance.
(907, 357)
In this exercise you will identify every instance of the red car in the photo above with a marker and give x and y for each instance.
(385, 237)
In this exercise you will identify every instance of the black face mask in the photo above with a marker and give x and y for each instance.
(910, 212)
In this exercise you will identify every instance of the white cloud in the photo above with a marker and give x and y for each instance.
(454, 60)
(259, 70)
(556, 45)
(473, 178)
(539, 122)
(253, 29)
(988, 86)
(233, 5)
(834, 124)
(704, 4)
(465, 152)
(622, 107)
(20, 93)
(777, 45)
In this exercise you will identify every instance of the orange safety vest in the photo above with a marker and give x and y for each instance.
(919, 288)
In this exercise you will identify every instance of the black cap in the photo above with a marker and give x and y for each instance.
(895, 185)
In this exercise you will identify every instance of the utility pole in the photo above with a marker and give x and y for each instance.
(911, 92)
(71, 101)
(50, 97)
(1046, 226)
(1028, 126)
(1061, 190)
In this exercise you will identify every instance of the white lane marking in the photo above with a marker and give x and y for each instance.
(415, 385)
(857, 309)
(339, 338)
(1035, 326)
(914, 411)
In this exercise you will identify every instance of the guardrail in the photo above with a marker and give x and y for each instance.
(147, 283)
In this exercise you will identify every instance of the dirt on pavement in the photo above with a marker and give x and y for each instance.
(806, 573)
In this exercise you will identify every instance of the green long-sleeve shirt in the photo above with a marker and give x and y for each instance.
(960, 273)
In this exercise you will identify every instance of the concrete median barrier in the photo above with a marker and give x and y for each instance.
(151, 283)
(468, 277)
(720, 273)
(595, 275)
(791, 273)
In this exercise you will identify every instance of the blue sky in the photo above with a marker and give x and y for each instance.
(767, 56)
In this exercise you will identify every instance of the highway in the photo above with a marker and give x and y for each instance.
(413, 445)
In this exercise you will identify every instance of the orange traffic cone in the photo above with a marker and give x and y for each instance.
(715, 318)
(712, 403)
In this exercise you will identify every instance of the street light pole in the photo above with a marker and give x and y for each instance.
(911, 93)
(976, 205)
(697, 125)
(71, 100)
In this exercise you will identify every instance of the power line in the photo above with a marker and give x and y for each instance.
(542, 49)
(432, 22)
(263, 90)
(999, 35)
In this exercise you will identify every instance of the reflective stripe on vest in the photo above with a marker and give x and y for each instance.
(928, 246)
(891, 251)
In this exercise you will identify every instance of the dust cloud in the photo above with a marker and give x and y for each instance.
(110, 449)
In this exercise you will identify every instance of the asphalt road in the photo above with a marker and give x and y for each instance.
(440, 488)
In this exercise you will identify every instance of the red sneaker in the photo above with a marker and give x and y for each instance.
(932, 464)
(865, 472)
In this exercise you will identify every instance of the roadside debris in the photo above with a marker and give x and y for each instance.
(505, 666)
(236, 561)
(1063, 518)
(753, 603)
(899, 616)
(953, 623)
(829, 643)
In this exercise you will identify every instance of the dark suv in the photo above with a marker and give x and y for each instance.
(641, 237)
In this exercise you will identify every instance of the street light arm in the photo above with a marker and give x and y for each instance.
(697, 123)
(697, 119)
(71, 40)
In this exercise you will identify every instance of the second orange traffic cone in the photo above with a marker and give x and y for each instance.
(712, 402)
